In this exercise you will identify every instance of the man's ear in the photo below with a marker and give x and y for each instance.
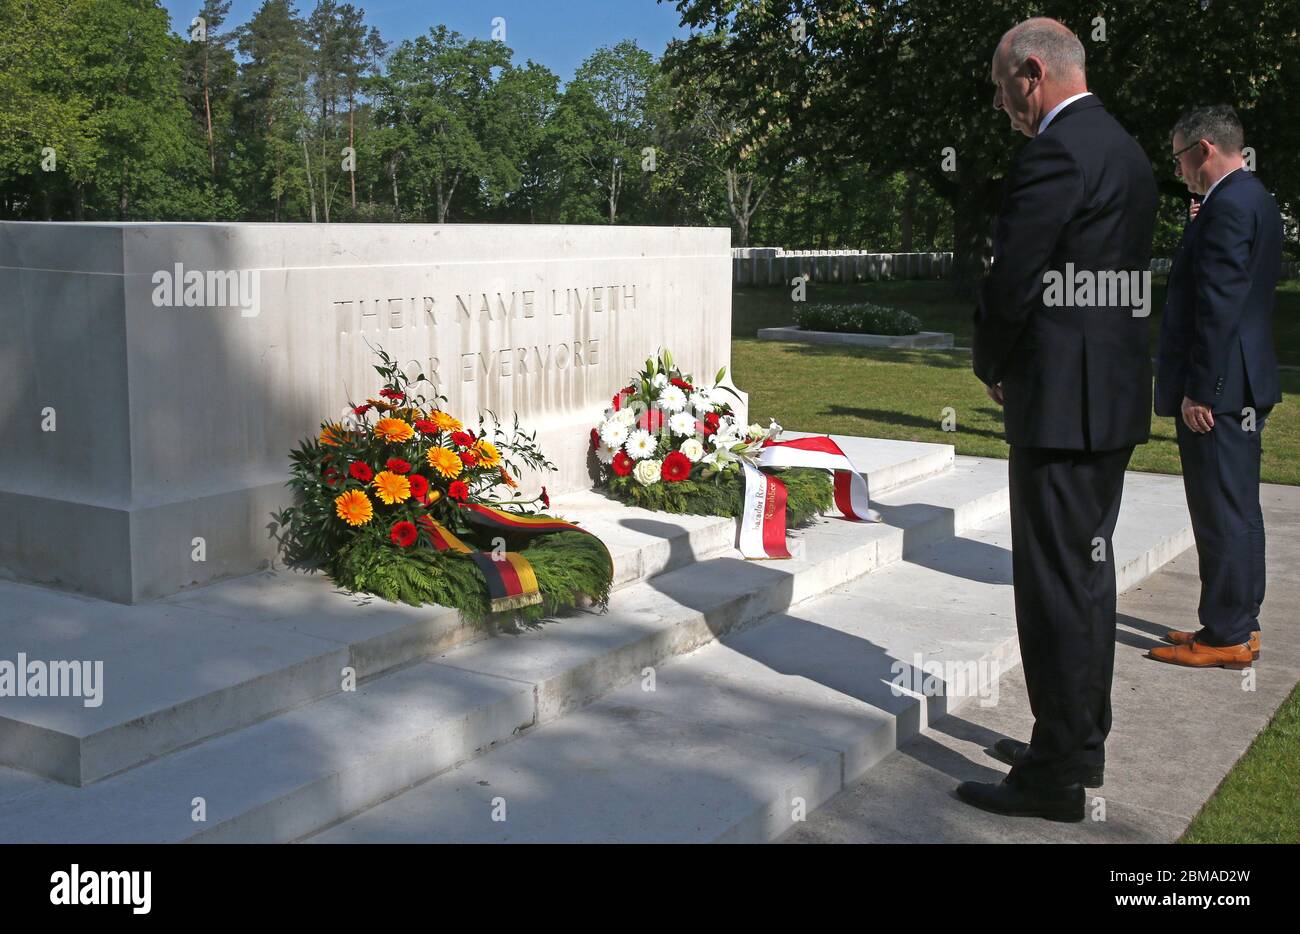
(1034, 68)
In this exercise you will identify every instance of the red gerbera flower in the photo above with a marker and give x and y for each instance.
(392, 394)
(331, 476)
(425, 426)
(682, 384)
(397, 465)
(622, 464)
(711, 422)
(404, 534)
(468, 458)
(361, 409)
(462, 438)
(361, 471)
(676, 467)
(546, 500)
(458, 490)
(419, 486)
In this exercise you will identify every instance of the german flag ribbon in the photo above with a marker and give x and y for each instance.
(511, 581)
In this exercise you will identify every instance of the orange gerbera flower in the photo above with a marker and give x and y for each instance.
(444, 421)
(487, 452)
(506, 478)
(332, 434)
(394, 430)
(354, 507)
(392, 487)
(444, 460)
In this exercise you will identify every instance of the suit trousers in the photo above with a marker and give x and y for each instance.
(1221, 480)
(1064, 505)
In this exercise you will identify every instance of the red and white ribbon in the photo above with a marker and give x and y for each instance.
(762, 524)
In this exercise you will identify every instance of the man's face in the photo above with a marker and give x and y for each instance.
(1189, 164)
(1014, 93)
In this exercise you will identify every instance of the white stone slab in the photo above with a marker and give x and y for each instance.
(921, 340)
(175, 423)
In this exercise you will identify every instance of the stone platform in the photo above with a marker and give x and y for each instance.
(238, 699)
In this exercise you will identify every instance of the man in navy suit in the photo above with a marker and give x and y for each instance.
(1072, 369)
(1217, 376)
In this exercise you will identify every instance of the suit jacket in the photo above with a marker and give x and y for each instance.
(1216, 337)
(1082, 192)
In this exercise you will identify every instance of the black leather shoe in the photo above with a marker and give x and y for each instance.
(1059, 803)
(1010, 750)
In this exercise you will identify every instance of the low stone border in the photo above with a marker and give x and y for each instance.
(940, 340)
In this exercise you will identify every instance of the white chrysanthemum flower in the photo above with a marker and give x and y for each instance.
(605, 453)
(640, 444)
(647, 471)
(613, 432)
(683, 423)
(672, 399)
(693, 450)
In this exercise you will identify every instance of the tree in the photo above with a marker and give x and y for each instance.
(440, 104)
(606, 103)
(905, 85)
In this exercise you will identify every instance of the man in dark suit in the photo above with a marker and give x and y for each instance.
(1071, 367)
(1217, 375)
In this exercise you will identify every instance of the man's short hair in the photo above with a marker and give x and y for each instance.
(1051, 41)
(1217, 123)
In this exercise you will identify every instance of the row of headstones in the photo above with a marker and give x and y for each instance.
(758, 265)
(774, 266)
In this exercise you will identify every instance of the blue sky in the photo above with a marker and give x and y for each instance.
(556, 33)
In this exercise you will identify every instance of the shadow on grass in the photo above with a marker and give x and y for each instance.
(906, 420)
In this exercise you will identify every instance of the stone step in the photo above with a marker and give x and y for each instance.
(230, 654)
(354, 750)
(740, 738)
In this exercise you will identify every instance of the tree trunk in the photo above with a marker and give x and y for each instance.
(973, 210)
(124, 191)
(397, 208)
(909, 212)
(207, 111)
(352, 145)
(311, 185)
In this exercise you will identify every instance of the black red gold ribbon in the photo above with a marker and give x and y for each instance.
(510, 578)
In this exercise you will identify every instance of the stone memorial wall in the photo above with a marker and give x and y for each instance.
(153, 377)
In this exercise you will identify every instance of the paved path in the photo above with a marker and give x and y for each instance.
(1176, 732)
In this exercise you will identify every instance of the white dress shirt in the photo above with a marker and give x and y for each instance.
(1216, 184)
(1051, 114)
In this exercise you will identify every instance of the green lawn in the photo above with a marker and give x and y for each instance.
(1257, 801)
(902, 394)
(939, 310)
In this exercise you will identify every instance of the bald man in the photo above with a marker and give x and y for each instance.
(1071, 368)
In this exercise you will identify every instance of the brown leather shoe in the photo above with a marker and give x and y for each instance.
(1199, 655)
(1185, 637)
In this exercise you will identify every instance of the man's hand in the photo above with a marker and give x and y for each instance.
(995, 392)
(1197, 417)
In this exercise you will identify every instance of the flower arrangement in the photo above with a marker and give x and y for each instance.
(670, 443)
(399, 498)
